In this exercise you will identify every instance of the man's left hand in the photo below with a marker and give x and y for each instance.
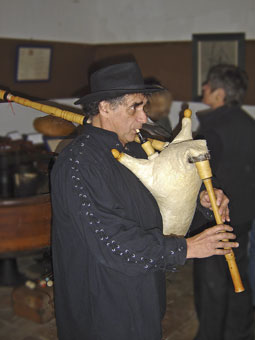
(221, 201)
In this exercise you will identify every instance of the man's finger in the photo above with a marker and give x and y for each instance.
(224, 236)
(219, 196)
(223, 204)
(218, 228)
(223, 244)
(222, 251)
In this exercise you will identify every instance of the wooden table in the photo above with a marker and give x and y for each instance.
(25, 225)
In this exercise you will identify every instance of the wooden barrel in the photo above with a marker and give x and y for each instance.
(25, 223)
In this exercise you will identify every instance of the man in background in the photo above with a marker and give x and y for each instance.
(230, 134)
(158, 107)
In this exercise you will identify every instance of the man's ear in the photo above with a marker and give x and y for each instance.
(220, 96)
(104, 108)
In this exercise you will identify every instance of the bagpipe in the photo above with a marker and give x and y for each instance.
(173, 176)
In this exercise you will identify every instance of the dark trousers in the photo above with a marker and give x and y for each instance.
(222, 313)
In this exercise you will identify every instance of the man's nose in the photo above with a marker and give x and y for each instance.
(142, 117)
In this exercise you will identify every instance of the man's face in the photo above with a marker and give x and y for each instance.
(212, 98)
(158, 105)
(127, 117)
(208, 94)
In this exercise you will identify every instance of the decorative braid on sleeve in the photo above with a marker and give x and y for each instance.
(86, 208)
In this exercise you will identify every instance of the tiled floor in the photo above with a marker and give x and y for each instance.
(179, 324)
(180, 321)
(13, 327)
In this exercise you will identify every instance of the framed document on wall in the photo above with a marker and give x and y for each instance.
(33, 63)
(212, 49)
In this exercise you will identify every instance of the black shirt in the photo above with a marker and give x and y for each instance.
(109, 253)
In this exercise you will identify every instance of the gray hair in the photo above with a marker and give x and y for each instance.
(232, 79)
(92, 108)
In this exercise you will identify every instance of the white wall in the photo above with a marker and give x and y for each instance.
(102, 21)
(22, 118)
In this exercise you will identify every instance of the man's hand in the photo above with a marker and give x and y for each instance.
(221, 200)
(209, 242)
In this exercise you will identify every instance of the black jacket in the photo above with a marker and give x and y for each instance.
(109, 253)
(230, 135)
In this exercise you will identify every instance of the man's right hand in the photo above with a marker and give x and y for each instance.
(210, 242)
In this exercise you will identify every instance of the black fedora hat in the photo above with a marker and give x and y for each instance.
(114, 81)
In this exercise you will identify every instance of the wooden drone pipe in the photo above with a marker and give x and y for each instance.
(67, 115)
(146, 144)
(205, 174)
(155, 143)
(204, 170)
(54, 111)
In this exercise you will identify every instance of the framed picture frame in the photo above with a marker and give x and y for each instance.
(212, 49)
(33, 63)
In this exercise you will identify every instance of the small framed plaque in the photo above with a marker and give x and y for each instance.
(33, 63)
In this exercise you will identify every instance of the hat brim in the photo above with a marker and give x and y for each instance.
(111, 94)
